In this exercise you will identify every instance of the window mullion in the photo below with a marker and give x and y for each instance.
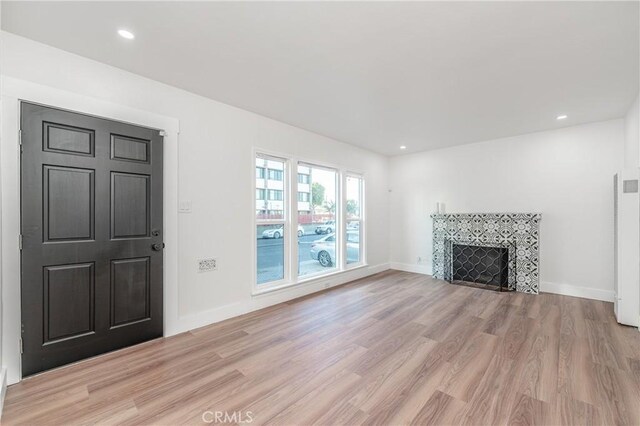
(293, 219)
(343, 222)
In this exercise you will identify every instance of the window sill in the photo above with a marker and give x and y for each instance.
(306, 281)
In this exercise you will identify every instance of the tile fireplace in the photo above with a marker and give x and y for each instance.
(498, 250)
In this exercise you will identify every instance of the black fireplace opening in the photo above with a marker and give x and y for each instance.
(488, 266)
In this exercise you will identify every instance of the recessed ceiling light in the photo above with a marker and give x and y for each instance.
(403, 147)
(126, 34)
(561, 117)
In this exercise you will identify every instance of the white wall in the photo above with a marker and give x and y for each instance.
(567, 175)
(215, 173)
(632, 135)
(632, 141)
(2, 368)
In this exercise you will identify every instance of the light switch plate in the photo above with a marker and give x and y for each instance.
(630, 186)
(184, 206)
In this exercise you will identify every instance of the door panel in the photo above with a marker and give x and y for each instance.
(91, 195)
(129, 149)
(68, 301)
(130, 201)
(68, 203)
(68, 139)
(129, 290)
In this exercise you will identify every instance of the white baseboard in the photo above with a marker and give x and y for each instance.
(418, 269)
(3, 388)
(201, 319)
(576, 291)
(545, 286)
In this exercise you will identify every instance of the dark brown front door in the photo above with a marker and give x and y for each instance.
(91, 200)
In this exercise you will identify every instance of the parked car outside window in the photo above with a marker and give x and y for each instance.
(279, 232)
(324, 249)
(326, 228)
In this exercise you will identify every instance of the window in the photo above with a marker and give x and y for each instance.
(271, 216)
(317, 252)
(303, 178)
(276, 195)
(318, 232)
(275, 174)
(353, 206)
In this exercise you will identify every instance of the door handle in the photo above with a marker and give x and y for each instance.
(157, 246)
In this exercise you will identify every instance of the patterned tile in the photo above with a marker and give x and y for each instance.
(519, 231)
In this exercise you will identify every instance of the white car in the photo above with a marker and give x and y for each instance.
(279, 232)
(326, 228)
(324, 249)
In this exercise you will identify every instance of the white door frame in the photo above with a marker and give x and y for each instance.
(12, 92)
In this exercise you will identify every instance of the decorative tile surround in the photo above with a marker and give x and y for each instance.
(519, 229)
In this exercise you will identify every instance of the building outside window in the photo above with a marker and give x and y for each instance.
(304, 178)
(275, 174)
(276, 195)
(304, 198)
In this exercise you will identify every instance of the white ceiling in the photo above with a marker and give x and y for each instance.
(378, 75)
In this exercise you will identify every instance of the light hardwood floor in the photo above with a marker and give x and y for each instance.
(394, 348)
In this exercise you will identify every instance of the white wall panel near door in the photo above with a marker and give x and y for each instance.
(627, 250)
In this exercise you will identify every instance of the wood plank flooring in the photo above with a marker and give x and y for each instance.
(395, 348)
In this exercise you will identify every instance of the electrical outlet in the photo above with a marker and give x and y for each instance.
(207, 265)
